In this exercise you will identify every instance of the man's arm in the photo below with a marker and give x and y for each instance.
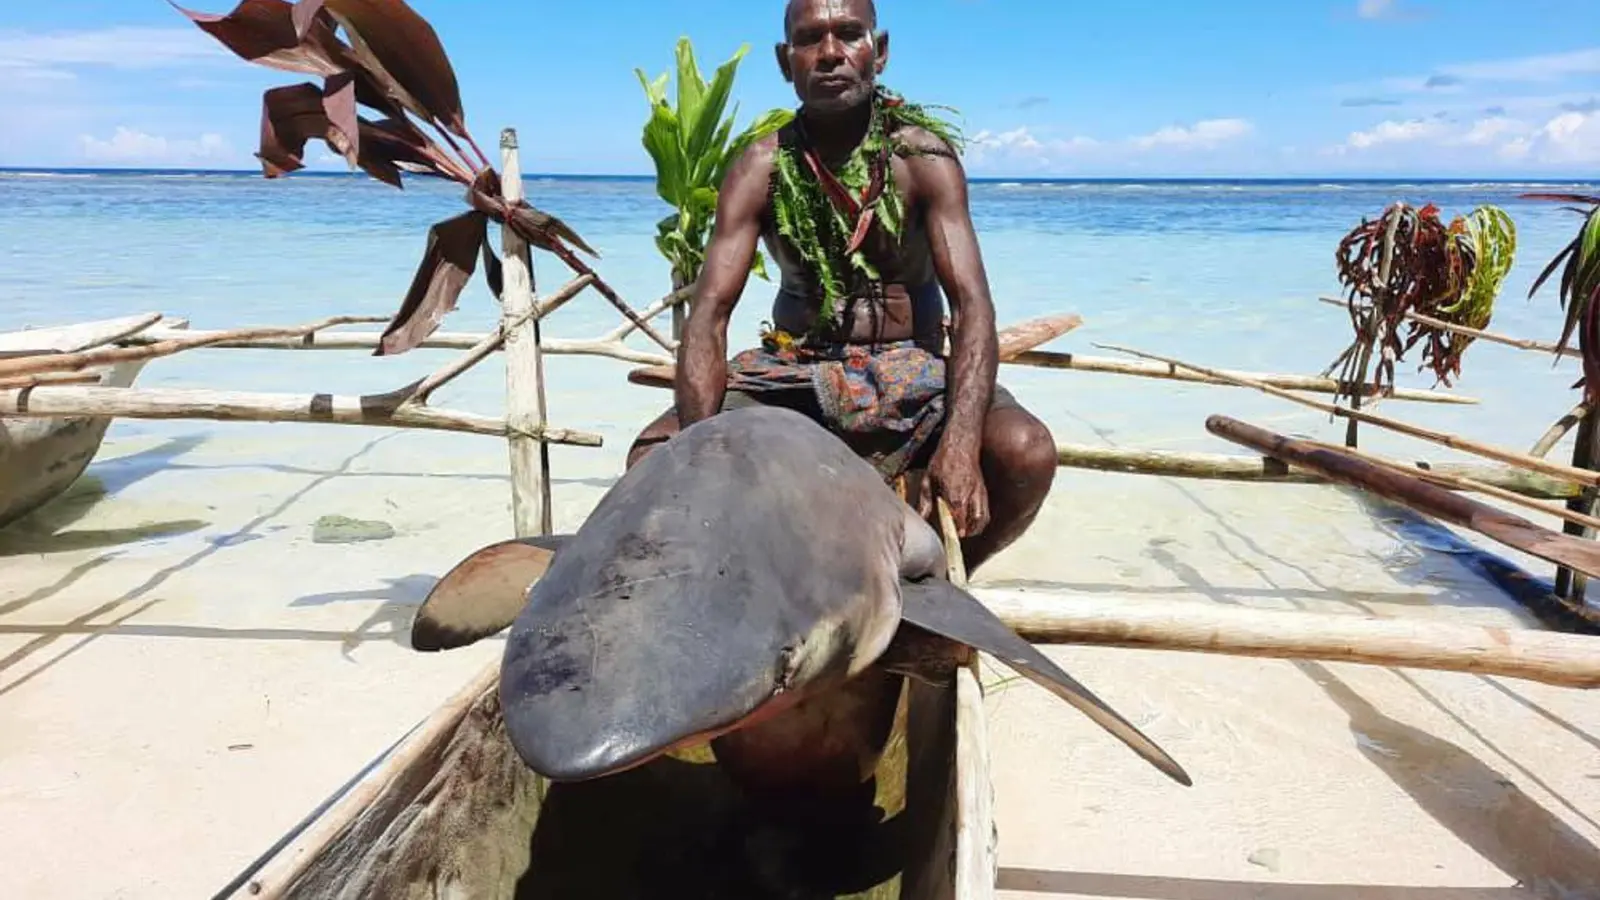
(974, 345)
(703, 352)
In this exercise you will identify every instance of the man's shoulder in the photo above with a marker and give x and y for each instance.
(918, 140)
(749, 175)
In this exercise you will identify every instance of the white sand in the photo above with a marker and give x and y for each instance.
(173, 705)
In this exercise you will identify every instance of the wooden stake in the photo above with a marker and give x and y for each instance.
(1511, 457)
(50, 401)
(1571, 585)
(1228, 467)
(977, 863)
(1194, 626)
(525, 403)
(1046, 359)
(1417, 494)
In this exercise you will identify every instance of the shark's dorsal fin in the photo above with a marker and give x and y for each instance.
(482, 595)
(936, 605)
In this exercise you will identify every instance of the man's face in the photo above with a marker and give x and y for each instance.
(832, 56)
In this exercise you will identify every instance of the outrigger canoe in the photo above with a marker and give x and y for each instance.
(451, 810)
(40, 458)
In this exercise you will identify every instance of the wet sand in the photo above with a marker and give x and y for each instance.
(185, 674)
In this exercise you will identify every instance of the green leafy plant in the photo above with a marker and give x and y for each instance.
(693, 145)
(1409, 260)
(1580, 287)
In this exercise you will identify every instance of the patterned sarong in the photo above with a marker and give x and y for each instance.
(885, 400)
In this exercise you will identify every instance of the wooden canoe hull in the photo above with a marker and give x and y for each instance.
(41, 458)
(451, 811)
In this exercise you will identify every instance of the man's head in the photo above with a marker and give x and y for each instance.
(832, 52)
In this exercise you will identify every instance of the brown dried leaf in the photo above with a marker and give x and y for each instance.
(290, 116)
(305, 12)
(263, 31)
(399, 143)
(493, 269)
(295, 114)
(399, 49)
(339, 104)
(268, 32)
(447, 265)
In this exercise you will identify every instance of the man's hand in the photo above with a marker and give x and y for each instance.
(955, 475)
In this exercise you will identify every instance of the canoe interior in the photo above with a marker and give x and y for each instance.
(465, 818)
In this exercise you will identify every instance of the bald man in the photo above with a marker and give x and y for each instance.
(862, 203)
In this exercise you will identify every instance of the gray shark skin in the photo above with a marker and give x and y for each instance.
(727, 586)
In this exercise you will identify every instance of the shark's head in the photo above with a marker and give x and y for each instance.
(594, 683)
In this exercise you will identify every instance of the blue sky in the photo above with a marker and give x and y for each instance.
(1157, 88)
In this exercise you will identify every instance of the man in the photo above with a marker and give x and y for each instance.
(862, 204)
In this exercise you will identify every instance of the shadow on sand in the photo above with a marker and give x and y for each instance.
(48, 529)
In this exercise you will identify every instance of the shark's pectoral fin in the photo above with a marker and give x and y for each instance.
(483, 594)
(938, 606)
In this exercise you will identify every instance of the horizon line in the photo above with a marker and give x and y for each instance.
(337, 173)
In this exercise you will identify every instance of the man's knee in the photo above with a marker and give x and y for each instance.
(1021, 445)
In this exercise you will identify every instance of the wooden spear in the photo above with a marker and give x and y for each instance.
(1415, 493)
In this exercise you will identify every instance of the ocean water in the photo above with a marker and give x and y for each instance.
(1220, 273)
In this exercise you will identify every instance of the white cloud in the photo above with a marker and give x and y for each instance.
(1571, 137)
(129, 146)
(1021, 147)
(1202, 135)
(25, 54)
(1487, 131)
(1031, 148)
(1393, 132)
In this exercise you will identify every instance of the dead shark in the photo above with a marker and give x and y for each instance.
(745, 578)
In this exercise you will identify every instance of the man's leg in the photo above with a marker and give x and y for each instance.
(1019, 466)
(1018, 461)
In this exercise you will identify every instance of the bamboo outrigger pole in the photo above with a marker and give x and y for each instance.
(1234, 467)
(1555, 470)
(1192, 626)
(1049, 359)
